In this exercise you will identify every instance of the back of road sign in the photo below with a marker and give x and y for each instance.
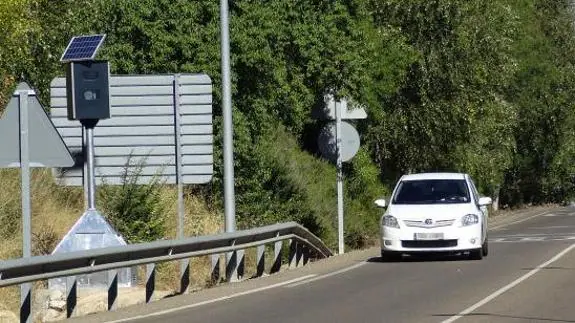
(47, 149)
(142, 136)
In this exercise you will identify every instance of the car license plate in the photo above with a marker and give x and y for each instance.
(428, 236)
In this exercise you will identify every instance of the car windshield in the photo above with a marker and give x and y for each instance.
(432, 191)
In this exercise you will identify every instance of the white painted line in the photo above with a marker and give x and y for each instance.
(559, 214)
(341, 271)
(528, 235)
(223, 298)
(546, 239)
(518, 221)
(506, 288)
(527, 239)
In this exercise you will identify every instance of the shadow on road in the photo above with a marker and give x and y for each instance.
(431, 257)
(504, 316)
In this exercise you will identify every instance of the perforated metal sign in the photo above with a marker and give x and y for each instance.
(155, 119)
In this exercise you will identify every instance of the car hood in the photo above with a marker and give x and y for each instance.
(431, 211)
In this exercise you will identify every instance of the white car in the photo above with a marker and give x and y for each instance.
(434, 212)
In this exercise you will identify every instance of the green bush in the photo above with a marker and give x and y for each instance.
(134, 210)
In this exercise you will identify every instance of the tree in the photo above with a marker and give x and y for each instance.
(543, 92)
(16, 23)
(449, 112)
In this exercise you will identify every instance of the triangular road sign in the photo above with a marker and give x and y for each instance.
(47, 149)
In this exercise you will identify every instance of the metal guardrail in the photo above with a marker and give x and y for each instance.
(303, 246)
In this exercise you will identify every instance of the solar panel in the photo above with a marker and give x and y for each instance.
(82, 48)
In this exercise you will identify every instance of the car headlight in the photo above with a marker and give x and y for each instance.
(469, 219)
(389, 221)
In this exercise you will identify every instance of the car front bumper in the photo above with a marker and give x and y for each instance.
(454, 239)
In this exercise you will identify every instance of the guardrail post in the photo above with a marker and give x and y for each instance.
(232, 267)
(184, 276)
(292, 253)
(71, 296)
(261, 260)
(305, 255)
(235, 264)
(112, 289)
(150, 281)
(276, 266)
(215, 272)
(299, 254)
(241, 263)
(26, 303)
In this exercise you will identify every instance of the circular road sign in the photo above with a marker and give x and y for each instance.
(349, 143)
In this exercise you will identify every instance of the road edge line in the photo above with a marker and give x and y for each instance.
(223, 298)
(341, 271)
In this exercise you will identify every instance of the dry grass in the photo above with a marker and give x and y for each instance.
(198, 221)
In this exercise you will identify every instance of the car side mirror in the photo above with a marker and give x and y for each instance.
(484, 201)
(381, 203)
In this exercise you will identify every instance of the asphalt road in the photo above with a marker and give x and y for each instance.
(529, 276)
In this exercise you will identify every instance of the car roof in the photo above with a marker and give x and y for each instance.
(424, 176)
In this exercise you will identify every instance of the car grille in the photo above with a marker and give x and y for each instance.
(435, 224)
(428, 243)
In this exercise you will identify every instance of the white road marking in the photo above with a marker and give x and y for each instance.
(533, 238)
(523, 235)
(516, 222)
(341, 271)
(506, 288)
(560, 214)
(552, 227)
(252, 291)
(530, 239)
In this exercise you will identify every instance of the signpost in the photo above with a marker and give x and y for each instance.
(88, 101)
(28, 139)
(339, 143)
(234, 260)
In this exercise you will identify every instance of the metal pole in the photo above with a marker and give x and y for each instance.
(25, 289)
(228, 122)
(339, 177)
(25, 172)
(85, 167)
(91, 164)
(179, 167)
(184, 263)
(229, 195)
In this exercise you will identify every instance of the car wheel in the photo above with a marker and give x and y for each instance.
(485, 248)
(476, 254)
(390, 256)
